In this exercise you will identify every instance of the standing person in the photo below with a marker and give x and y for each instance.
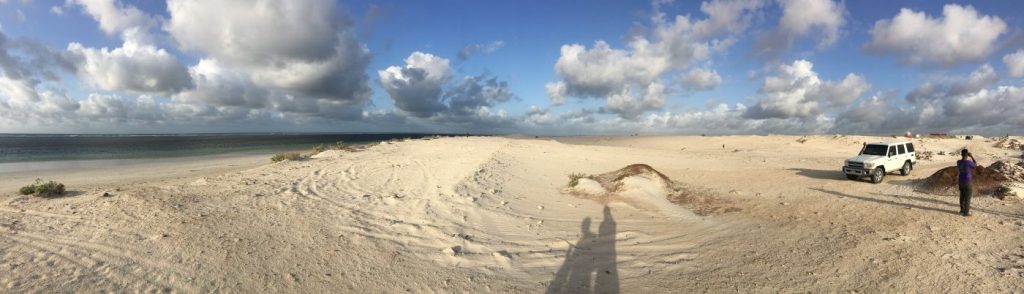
(965, 169)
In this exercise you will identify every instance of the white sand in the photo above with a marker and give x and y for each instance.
(493, 215)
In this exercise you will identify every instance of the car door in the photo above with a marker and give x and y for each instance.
(892, 162)
(904, 155)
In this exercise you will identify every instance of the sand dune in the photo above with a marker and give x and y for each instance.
(492, 214)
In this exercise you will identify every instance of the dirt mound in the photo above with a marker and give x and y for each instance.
(612, 181)
(944, 181)
(1012, 171)
(1010, 144)
(925, 155)
(642, 186)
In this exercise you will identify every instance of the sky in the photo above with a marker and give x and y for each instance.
(512, 67)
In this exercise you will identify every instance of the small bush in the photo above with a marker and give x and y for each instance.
(48, 189)
(26, 190)
(318, 149)
(340, 145)
(1003, 191)
(574, 179)
(286, 156)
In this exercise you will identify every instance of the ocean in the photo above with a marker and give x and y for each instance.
(48, 147)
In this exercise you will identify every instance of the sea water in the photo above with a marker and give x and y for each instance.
(25, 148)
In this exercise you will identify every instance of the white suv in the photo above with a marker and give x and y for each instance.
(877, 159)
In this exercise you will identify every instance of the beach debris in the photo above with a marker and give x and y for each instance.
(502, 257)
(803, 139)
(942, 153)
(453, 251)
(924, 155)
(107, 194)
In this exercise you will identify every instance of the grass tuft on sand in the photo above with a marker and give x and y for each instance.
(286, 156)
(48, 189)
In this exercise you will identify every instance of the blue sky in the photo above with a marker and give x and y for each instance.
(106, 66)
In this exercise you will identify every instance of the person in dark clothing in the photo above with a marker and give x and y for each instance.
(965, 169)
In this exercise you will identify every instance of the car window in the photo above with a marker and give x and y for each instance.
(892, 150)
(903, 148)
(874, 150)
(910, 147)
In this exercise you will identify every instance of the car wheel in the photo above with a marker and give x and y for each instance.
(877, 175)
(852, 177)
(906, 169)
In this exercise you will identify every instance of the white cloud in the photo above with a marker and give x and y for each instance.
(472, 50)
(556, 92)
(307, 47)
(1015, 63)
(961, 35)
(630, 105)
(964, 104)
(801, 18)
(117, 18)
(982, 77)
(57, 10)
(798, 92)
(420, 89)
(17, 89)
(699, 79)
(220, 86)
(671, 45)
(133, 67)
(416, 88)
(475, 93)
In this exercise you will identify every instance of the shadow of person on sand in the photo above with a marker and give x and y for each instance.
(883, 201)
(956, 205)
(821, 174)
(918, 199)
(590, 265)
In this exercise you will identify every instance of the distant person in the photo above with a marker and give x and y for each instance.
(965, 169)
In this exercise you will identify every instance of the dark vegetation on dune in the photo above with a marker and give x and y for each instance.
(48, 189)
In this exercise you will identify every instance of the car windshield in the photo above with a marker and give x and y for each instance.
(876, 150)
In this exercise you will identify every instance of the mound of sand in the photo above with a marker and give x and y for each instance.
(1010, 144)
(644, 187)
(1012, 171)
(944, 181)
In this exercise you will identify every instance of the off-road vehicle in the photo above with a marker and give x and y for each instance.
(877, 159)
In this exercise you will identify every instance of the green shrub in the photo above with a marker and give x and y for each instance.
(318, 149)
(48, 189)
(26, 190)
(286, 156)
(1004, 191)
(340, 145)
(574, 179)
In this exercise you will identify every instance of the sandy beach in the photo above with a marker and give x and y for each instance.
(498, 214)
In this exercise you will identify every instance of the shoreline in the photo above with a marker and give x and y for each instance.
(89, 174)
